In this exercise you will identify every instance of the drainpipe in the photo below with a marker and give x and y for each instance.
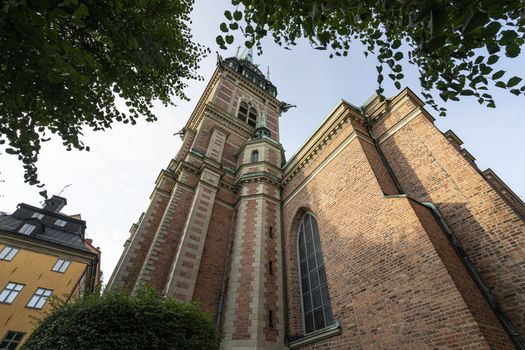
(382, 156)
(485, 290)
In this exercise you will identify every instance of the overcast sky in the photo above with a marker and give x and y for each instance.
(110, 185)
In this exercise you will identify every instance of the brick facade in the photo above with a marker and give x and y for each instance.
(421, 249)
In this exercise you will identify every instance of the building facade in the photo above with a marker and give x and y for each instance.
(43, 254)
(379, 233)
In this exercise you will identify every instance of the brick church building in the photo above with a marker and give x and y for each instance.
(379, 233)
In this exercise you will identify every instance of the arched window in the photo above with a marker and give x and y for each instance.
(317, 311)
(255, 157)
(247, 114)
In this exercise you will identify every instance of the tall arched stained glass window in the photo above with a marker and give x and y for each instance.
(317, 311)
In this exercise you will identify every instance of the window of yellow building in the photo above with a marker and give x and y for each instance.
(10, 292)
(39, 298)
(8, 253)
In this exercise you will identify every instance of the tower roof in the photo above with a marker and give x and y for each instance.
(250, 71)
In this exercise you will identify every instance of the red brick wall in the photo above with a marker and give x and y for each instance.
(388, 286)
(213, 262)
(145, 234)
(166, 255)
(429, 168)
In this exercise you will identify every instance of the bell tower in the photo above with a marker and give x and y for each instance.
(212, 229)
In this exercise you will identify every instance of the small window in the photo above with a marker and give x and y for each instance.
(270, 232)
(61, 265)
(8, 253)
(38, 216)
(254, 157)
(60, 223)
(11, 340)
(10, 292)
(270, 267)
(270, 319)
(27, 229)
(39, 298)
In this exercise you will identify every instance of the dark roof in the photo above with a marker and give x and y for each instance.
(71, 235)
(251, 72)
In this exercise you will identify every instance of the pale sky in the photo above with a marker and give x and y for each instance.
(110, 185)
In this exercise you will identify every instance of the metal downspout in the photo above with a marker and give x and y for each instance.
(383, 158)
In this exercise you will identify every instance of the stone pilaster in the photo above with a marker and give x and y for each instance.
(187, 260)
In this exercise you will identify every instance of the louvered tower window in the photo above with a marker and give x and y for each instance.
(317, 311)
(247, 114)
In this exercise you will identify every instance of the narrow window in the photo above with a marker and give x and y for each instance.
(252, 117)
(60, 223)
(11, 340)
(10, 292)
(270, 267)
(270, 233)
(61, 265)
(317, 311)
(38, 216)
(254, 157)
(27, 229)
(39, 298)
(243, 112)
(8, 253)
(270, 319)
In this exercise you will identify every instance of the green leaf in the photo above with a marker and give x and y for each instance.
(224, 27)
(512, 50)
(219, 40)
(398, 56)
(493, 59)
(229, 39)
(228, 15)
(513, 81)
(237, 15)
(498, 74)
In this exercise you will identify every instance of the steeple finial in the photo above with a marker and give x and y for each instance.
(237, 53)
(268, 73)
(247, 54)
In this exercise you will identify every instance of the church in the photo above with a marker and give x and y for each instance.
(379, 233)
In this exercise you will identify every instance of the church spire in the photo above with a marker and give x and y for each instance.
(247, 55)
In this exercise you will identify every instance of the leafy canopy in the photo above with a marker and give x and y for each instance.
(454, 44)
(118, 321)
(63, 64)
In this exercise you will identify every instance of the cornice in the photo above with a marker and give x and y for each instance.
(45, 247)
(260, 176)
(330, 128)
(197, 113)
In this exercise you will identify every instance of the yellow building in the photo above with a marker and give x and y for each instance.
(43, 254)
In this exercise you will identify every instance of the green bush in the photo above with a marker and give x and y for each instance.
(119, 321)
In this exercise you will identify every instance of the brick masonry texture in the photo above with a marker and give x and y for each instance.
(223, 230)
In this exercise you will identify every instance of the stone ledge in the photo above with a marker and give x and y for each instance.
(327, 332)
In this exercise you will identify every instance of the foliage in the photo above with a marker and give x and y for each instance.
(454, 44)
(64, 62)
(118, 321)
